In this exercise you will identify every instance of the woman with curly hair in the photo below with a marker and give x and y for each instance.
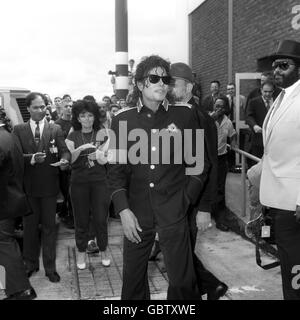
(88, 187)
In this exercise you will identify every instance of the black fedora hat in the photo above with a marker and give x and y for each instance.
(287, 49)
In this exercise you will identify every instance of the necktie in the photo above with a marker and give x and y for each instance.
(37, 134)
(268, 105)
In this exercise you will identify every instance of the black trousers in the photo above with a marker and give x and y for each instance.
(43, 212)
(287, 237)
(219, 206)
(176, 248)
(64, 184)
(11, 259)
(206, 280)
(90, 198)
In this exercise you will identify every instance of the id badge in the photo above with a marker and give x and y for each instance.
(265, 231)
(54, 150)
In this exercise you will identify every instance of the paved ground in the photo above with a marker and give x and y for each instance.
(226, 254)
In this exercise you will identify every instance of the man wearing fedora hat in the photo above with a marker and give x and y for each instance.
(200, 214)
(280, 178)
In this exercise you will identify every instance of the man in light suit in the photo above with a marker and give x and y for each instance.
(280, 179)
(42, 145)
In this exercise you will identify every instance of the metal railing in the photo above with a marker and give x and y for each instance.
(244, 155)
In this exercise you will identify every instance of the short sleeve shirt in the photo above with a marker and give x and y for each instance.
(82, 171)
(225, 130)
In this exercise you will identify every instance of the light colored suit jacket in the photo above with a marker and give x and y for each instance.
(280, 180)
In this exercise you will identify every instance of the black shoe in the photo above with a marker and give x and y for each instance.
(30, 272)
(222, 227)
(218, 292)
(28, 294)
(53, 276)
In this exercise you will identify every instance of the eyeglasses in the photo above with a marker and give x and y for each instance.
(283, 65)
(154, 78)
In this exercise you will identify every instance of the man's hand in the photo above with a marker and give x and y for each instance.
(39, 157)
(203, 220)
(130, 226)
(257, 129)
(64, 164)
(297, 214)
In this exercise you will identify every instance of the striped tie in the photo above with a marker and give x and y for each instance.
(37, 134)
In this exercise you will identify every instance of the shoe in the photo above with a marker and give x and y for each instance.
(222, 227)
(53, 276)
(219, 292)
(155, 251)
(81, 260)
(105, 259)
(92, 247)
(30, 272)
(28, 294)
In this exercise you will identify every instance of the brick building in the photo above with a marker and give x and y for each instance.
(228, 36)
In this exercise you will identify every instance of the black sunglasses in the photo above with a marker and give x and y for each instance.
(283, 65)
(154, 78)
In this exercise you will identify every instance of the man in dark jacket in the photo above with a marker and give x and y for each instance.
(13, 204)
(43, 146)
(151, 194)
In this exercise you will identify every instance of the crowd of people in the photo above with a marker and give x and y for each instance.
(62, 150)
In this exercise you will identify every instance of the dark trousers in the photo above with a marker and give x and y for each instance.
(64, 184)
(287, 237)
(206, 280)
(11, 259)
(219, 207)
(43, 212)
(90, 198)
(176, 248)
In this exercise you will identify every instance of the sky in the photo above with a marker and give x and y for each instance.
(68, 46)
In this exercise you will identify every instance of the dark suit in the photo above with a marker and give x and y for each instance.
(256, 113)
(41, 183)
(13, 204)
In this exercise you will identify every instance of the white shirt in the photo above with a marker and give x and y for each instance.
(33, 126)
(225, 130)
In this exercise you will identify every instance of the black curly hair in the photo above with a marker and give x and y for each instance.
(85, 106)
(142, 70)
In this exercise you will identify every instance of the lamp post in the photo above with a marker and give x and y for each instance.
(121, 22)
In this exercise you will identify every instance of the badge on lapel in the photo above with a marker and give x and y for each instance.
(53, 148)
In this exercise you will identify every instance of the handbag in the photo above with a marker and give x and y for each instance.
(255, 228)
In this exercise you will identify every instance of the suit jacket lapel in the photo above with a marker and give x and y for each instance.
(281, 111)
(45, 137)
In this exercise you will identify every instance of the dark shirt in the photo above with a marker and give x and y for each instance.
(65, 125)
(157, 193)
(82, 172)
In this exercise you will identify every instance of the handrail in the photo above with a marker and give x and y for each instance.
(244, 155)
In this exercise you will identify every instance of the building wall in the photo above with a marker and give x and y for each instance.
(257, 25)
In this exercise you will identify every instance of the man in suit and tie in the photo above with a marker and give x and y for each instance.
(280, 179)
(256, 113)
(42, 145)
